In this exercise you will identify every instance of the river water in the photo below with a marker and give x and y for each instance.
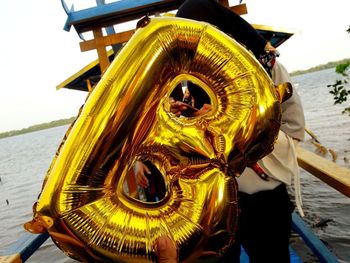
(24, 160)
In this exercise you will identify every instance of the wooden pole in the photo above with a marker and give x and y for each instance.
(329, 172)
(101, 49)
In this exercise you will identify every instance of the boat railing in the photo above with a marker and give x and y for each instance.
(328, 171)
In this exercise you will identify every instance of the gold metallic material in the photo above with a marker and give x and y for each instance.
(284, 91)
(127, 117)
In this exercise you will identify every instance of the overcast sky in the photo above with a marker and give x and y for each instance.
(37, 54)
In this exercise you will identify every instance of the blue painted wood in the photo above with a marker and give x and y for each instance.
(110, 30)
(26, 245)
(121, 11)
(66, 26)
(312, 241)
(294, 258)
(65, 7)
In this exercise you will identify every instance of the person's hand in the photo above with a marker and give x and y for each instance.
(166, 250)
(140, 169)
(206, 108)
(177, 107)
(272, 49)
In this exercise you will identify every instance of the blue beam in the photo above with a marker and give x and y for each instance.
(117, 12)
(312, 241)
(110, 30)
(68, 11)
(25, 246)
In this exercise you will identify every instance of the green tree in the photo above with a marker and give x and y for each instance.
(339, 88)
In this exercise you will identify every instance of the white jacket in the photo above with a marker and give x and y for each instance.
(281, 164)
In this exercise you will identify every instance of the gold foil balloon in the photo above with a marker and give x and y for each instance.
(127, 117)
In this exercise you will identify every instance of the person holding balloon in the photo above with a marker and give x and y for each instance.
(265, 206)
(265, 218)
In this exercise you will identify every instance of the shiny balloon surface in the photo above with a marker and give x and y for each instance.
(127, 117)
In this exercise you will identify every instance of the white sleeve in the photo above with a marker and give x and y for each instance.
(293, 119)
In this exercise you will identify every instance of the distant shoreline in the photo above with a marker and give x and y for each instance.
(70, 120)
(328, 65)
(37, 127)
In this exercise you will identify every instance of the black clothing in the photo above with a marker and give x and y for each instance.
(188, 112)
(264, 227)
(188, 100)
(156, 189)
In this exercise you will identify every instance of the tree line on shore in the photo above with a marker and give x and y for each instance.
(328, 65)
(38, 127)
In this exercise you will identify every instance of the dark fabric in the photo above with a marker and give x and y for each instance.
(156, 185)
(267, 60)
(188, 100)
(226, 20)
(188, 112)
(264, 227)
(200, 96)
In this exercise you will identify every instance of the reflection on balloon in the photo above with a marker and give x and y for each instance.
(127, 117)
